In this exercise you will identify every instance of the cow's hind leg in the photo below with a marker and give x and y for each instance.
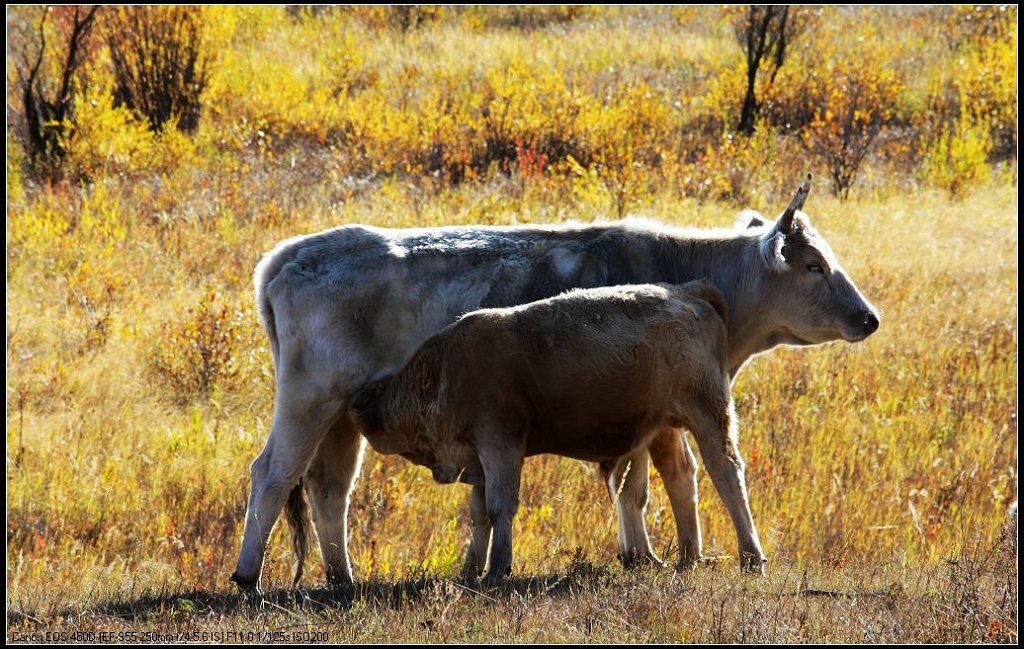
(330, 479)
(629, 490)
(476, 556)
(678, 469)
(294, 438)
(714, 427)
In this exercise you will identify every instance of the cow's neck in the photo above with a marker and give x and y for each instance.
(733, 263)
(747, 338)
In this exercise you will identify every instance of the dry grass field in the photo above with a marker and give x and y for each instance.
(140, 386)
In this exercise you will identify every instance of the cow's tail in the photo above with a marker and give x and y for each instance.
(296, 512)
(266, 272)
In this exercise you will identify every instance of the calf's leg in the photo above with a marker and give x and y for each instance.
(502, 470)
(714, 427)
(628, 487)
(476, 557)
(678, 469)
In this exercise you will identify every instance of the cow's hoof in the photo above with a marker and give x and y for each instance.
(469, 577)
(753, 565)
(248, 585)
(492, 580)
(340, 582)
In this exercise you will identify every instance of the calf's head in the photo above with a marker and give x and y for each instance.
(368, 408)
(809, 298)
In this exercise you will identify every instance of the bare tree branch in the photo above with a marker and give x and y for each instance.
(46, 119)
(763, 34)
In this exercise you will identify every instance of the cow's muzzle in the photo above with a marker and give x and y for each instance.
(865, 323)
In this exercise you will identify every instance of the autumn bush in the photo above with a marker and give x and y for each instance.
(196, 351)
(956, 158)
(47, 76)
(836, 92)
(160, 57)
(855, 109)
(984, 38)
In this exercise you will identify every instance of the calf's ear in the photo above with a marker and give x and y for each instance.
(707, 292)
(364, 407)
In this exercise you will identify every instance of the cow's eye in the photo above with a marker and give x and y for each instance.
(816, 268)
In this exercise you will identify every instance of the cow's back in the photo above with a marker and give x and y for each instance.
(353, 302)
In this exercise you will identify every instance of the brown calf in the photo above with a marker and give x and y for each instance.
(593, 374)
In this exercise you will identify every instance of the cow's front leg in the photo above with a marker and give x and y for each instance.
(628, 487)
(715, 432)
(476, 556)
(502, 469)
(678, 469)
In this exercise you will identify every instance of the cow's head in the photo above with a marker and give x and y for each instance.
(811, 299)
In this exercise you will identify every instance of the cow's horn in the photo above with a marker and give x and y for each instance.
(786, 220)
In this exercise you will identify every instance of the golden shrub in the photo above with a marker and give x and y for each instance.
(956, 158)
(196, 352)
(857, 106)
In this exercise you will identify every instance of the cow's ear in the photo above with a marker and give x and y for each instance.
(772, 244)
(748, 219)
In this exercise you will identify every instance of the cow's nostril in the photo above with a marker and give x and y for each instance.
(870, 322)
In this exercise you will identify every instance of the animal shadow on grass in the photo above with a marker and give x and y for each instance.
(579, 576)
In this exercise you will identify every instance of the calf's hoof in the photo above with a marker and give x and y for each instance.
(689, 563)
(753, 564)
(639, 560)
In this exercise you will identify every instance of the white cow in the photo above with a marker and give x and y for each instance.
(352, 304)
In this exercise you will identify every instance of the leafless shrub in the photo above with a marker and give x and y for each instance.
(161, 65)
